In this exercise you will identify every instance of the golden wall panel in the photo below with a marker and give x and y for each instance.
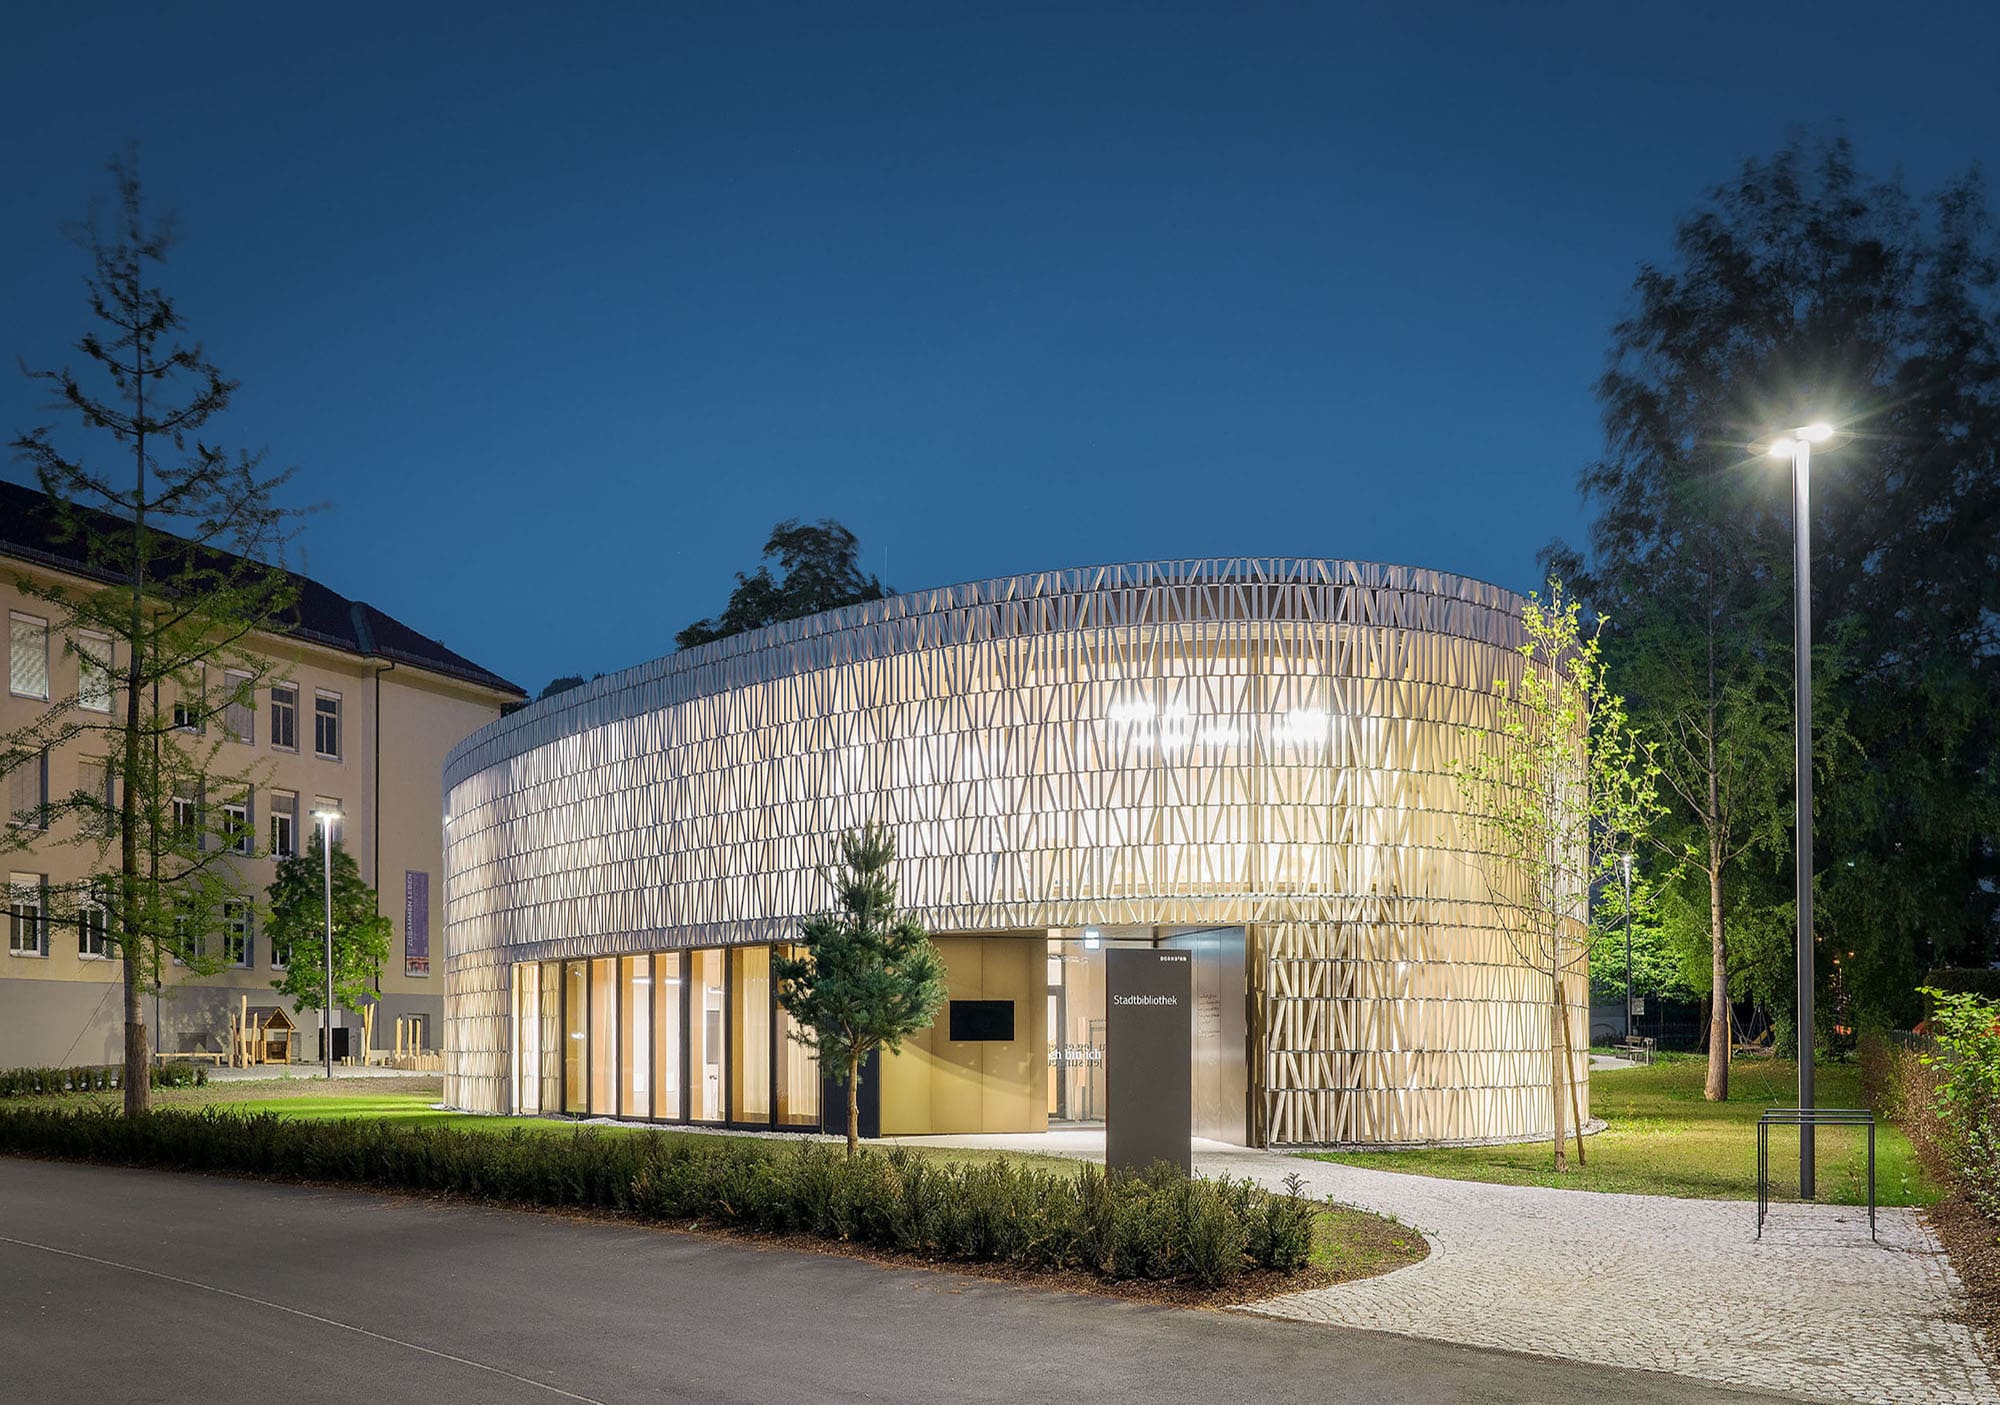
(1257, 742)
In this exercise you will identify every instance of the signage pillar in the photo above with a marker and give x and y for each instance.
(1148, 1058)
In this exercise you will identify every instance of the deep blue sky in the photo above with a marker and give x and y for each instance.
(560, 308)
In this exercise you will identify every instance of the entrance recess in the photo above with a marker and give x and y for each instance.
(1076, 1022)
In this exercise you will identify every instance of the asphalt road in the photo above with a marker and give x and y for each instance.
(123, 1285)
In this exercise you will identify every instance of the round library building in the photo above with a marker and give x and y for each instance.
(1249, 760)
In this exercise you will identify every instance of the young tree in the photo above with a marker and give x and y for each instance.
(819, 570)
(1555, 797)
(297, 927)
(187, 537)
(867, 977)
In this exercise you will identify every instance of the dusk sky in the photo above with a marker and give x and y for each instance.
(560, 309)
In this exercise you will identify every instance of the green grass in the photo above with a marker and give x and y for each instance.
(1662, 1138)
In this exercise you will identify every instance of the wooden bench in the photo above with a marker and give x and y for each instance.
(1636, 1047)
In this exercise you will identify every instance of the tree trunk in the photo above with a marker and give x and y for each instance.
(1716, 1089)
(1558, 1065)
(853, 1104)
(131, 941)
(1575, 1099)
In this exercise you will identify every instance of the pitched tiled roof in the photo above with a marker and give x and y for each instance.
(321, 615)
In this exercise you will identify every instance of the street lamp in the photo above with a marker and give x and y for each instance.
(1797, 446)
(326, 820)
(1625, 872)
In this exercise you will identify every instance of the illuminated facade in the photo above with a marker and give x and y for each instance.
(1159, 752)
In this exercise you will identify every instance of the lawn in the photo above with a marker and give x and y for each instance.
(1662, 1138)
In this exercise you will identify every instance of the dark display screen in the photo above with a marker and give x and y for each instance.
(982, 1021)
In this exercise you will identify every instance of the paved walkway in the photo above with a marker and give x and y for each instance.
(1642, 1281)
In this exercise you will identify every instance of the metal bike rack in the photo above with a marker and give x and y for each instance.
(1802, 1118)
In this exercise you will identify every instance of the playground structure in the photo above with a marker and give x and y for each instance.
(264, 1035)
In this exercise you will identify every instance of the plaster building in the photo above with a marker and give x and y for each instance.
(358, 717)
(1247, 759)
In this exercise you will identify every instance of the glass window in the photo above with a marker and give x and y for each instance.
(667, 987)
(26, 913)
(710, 1058)
(28, 789)
(236, 934)
(798, 1077)
(750, 1034)
(93, 672)
(284, 824)
(635, 1019)
(237, 835)
(603, 1036)
(28, 657)
(527, 1040)
(552, 1035)
(285, 718)
(576, 1037)
(93, 928)
(191, 708)
(326, 725)
(239, 709)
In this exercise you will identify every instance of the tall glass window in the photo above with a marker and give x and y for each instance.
(604, 1036)
(705, 1009)
(576, 1036)
(552, 1036)
(798, 1079)
(527, 1040)
(668, 983)
(750, 1034)
(635, 1017)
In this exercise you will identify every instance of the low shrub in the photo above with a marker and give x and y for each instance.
(1159, 1226)
(1965, 1094)
(93, 1078)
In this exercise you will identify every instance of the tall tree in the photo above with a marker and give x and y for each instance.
(866, 977)
(296, 925)
(818, 569)
(188, 536)
(1799, 291)
(1556, 795)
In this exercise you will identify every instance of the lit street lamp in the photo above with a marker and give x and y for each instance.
(1797, 446)
(326, 820)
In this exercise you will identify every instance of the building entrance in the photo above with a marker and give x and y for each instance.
(1221, 1026)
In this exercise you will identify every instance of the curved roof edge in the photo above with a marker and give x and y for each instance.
(1031, 585)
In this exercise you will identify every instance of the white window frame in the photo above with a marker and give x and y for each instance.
(16, 619)
(290, 704)
(36, 815)
(93, 661)
(190, 825)
(28, 893)
(87, 910)
(321, 695)
(238, 947)
(233, 682)
(239, 835)
(288, 812)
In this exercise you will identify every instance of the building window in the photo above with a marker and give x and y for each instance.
(576, 1036)
(28, 789)
(635, 1021)
(239, 709)
(708, 1070)
(750, 1034)
(284, 824)
(27, 912)
(93, 673)
(281, 954)
(237, 836)
(97, 782)
(326, 725)
(28, 658)
(180, 942)
(191, 708)
(666, 1022)
(285, 719)
(93, 930)
(186, 821)
(236, 934)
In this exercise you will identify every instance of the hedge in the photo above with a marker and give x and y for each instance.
(1161, 1226)
(93, 1078)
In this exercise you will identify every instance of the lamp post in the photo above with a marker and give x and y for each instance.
(326, 820)
(1625, 873)
(1797, 446)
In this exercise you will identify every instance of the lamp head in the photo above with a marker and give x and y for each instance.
(1784, 448)
(326, 816)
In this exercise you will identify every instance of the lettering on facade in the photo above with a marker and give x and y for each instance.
(416, 923)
